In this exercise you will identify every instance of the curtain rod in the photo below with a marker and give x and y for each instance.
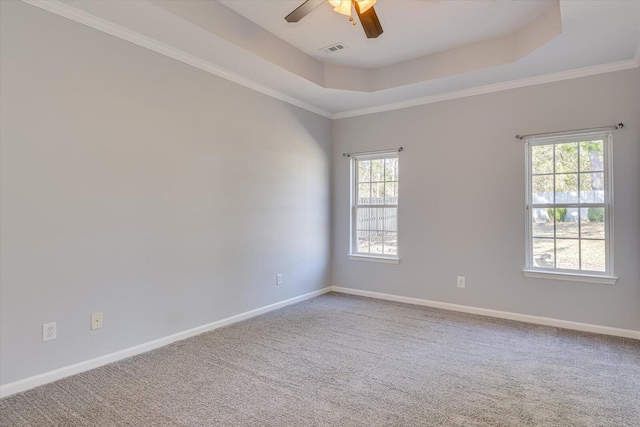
(362, 153)
(618, 126)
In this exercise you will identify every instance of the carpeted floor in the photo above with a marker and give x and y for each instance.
(340, 360)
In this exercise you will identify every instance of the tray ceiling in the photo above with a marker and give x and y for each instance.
(502, 44)
(412, 28)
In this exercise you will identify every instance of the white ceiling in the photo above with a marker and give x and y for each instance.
(412, 28)
(596, 36)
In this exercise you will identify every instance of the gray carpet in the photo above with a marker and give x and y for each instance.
(340, 360)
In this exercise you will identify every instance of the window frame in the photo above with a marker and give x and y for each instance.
(587, 276)
(353, 245)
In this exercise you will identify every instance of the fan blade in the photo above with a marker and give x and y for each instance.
(370, 22)
(303, 10)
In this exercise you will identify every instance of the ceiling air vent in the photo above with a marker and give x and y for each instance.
(334, 48)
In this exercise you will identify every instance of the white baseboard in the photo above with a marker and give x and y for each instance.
(547, 321)
(48, 377)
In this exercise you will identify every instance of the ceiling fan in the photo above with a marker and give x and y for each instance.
(364, 9)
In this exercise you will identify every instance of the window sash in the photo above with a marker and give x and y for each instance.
(606, 205)
(381, 231)
(355, 205)
(567, 205)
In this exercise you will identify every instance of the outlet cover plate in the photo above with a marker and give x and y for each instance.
(49, 331)
(96, 321)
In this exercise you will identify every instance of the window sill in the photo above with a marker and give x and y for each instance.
(572, 277)
(368, 258)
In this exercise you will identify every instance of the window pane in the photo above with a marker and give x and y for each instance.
(377, 170)
(542, 159)
(542, 188)
(593, 255)
(364, 192)
(363, 241)
(592, 225)
(390, 243)
(542, 223)
(364, 170)
(376, 242)
(567, 157)
(364, 219)
(591, 156)
(592, 187)
(543, 253)
(390, 219)
(391, 169)
(566, 223)
(567, 254)
(376, 227)
(567, 188)
(376, 219)
(377, 193)
(391, 193)
(568, 238)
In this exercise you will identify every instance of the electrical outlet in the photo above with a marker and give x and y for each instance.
(96, 321)
(49, 331)
(278, 279)
(461, 281)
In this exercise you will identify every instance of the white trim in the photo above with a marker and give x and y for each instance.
(609, 244)
(495, 87)
(69, 12)
(576, 136)
(568, 135)
(108, 27)
(572, 277)
(48, 377)
(354, 255)
(538, 320)
(369, 258)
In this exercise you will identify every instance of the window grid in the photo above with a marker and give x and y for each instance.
(375, 214)
(582, 205)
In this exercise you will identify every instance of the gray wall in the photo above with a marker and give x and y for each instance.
(144, 188)
(168, 198)
(460, 157)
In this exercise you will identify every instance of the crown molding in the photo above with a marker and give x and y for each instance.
(62, 9)
(496, 87)
(69, 12)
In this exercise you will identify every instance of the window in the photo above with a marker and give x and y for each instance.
(569, 210)
(374, 208)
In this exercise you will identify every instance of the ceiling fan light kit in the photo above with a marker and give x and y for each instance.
(344, 6)
(341, 6)
(364, 10)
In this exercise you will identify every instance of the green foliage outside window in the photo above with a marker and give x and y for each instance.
(595, 214)
(562, 213)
